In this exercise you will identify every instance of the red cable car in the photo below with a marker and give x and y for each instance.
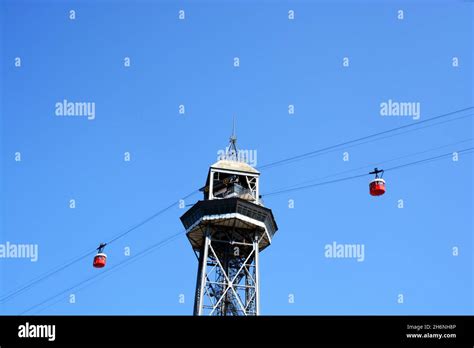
(377, 186)
(100, 258)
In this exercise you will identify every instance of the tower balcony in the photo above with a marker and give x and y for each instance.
(239, 216)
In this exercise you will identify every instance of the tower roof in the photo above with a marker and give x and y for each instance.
(234, 166)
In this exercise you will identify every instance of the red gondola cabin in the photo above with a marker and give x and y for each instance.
(100, 260)
(377, 187)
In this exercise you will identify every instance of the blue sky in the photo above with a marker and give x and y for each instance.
(300, 62)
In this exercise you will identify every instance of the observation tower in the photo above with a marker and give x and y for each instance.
(228, 230)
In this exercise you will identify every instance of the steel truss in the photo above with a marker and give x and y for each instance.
(228, 274)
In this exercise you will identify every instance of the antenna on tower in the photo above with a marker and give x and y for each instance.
(231, 153)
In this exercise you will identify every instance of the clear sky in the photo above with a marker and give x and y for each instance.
(300, 62)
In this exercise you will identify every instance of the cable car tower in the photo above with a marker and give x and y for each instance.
(227, 230)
